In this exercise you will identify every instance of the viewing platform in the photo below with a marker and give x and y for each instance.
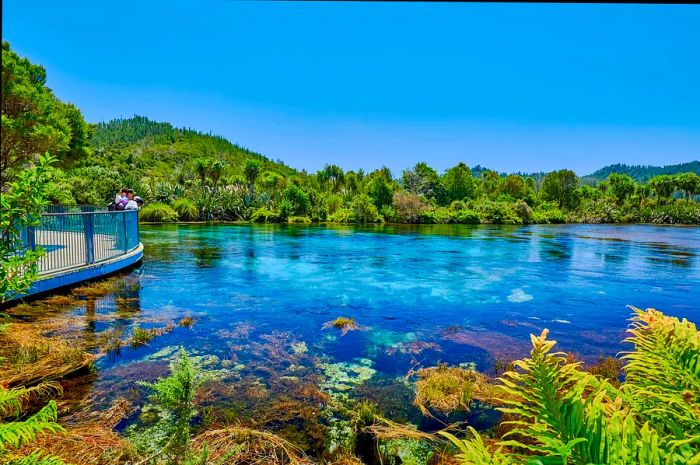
(82, 245)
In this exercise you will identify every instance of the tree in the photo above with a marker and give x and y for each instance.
(424, 181)
(663, 185)
(21, 207)
(408, 206)
(514, 186)
(490, 181)
(251, 171)
(34, 121)
(689, 183)
(459, 183)
(332, 173)
(621, 186)
(560, 186)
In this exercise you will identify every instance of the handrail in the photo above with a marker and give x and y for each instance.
(78, 239)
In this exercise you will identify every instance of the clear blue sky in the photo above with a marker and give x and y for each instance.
(510, 86)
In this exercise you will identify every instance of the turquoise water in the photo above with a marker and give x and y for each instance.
(421, 295)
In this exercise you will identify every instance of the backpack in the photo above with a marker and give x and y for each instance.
(111, 207)
(120, 206)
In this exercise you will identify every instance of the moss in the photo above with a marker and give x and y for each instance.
(186, 322)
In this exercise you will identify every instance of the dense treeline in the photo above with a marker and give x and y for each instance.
(641, 173)
(190, 176)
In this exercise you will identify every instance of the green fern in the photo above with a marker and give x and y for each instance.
(15, 434)
(663, 372)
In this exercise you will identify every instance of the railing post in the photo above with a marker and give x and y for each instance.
(125, 239)
(89, 224)
(31, 237)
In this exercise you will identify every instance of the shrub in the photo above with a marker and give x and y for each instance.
(467, 217)
(158, 213)
(523, 210)
(547, 213)
(299, 219)
(186, 210)
(499, 213)
(264, 215)
(364, 210)
(342, 215)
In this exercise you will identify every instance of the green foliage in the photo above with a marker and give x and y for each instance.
(186, 209)
(20, 207)
(621, 186)
(34, 121)
(364, 211)
(560, 187)
(264, 215)
(176, 395)
(158, 213)
(295, 202)
(548, 213)
(663, 373)
(642, 173)
(499, 213)
(459, 183)
(93, 185)
(559, 414)
(16, 433)
(342, 215)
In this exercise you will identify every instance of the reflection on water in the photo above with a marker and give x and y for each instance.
(422, 294)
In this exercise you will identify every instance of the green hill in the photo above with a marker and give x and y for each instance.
(142, 147)
(641, 173)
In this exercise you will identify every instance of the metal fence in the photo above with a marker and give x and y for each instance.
(82, 238)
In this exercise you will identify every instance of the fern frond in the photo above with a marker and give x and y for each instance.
(36, 458)
(663, 372)
(18, 433)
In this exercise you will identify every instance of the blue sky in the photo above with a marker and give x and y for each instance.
(510, 86)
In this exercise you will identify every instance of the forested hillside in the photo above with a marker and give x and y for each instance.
(641, 173)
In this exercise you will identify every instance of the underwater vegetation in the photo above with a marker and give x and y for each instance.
(274, 402)
(343, 324)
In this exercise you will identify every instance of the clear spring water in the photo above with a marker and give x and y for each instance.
(422, 294)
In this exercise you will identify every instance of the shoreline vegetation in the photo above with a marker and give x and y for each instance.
(186, 175)
(642, 408)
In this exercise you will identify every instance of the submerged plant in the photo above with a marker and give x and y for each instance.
(176, 395)
(447, 389)
(344, 324)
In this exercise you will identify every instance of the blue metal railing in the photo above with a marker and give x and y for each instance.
(82, 238)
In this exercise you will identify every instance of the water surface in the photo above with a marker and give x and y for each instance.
(422, 295)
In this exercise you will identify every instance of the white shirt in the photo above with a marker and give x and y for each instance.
(131, 205)
(118, 198)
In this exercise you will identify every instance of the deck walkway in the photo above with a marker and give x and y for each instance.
(81, 246)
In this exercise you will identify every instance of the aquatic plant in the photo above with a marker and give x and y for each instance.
(176, 395)
(29, 357)
(447, 389)
(96, 289)
(342, 323)
(561, 414)
(186, 322)
(141, 336)
(60, 300)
